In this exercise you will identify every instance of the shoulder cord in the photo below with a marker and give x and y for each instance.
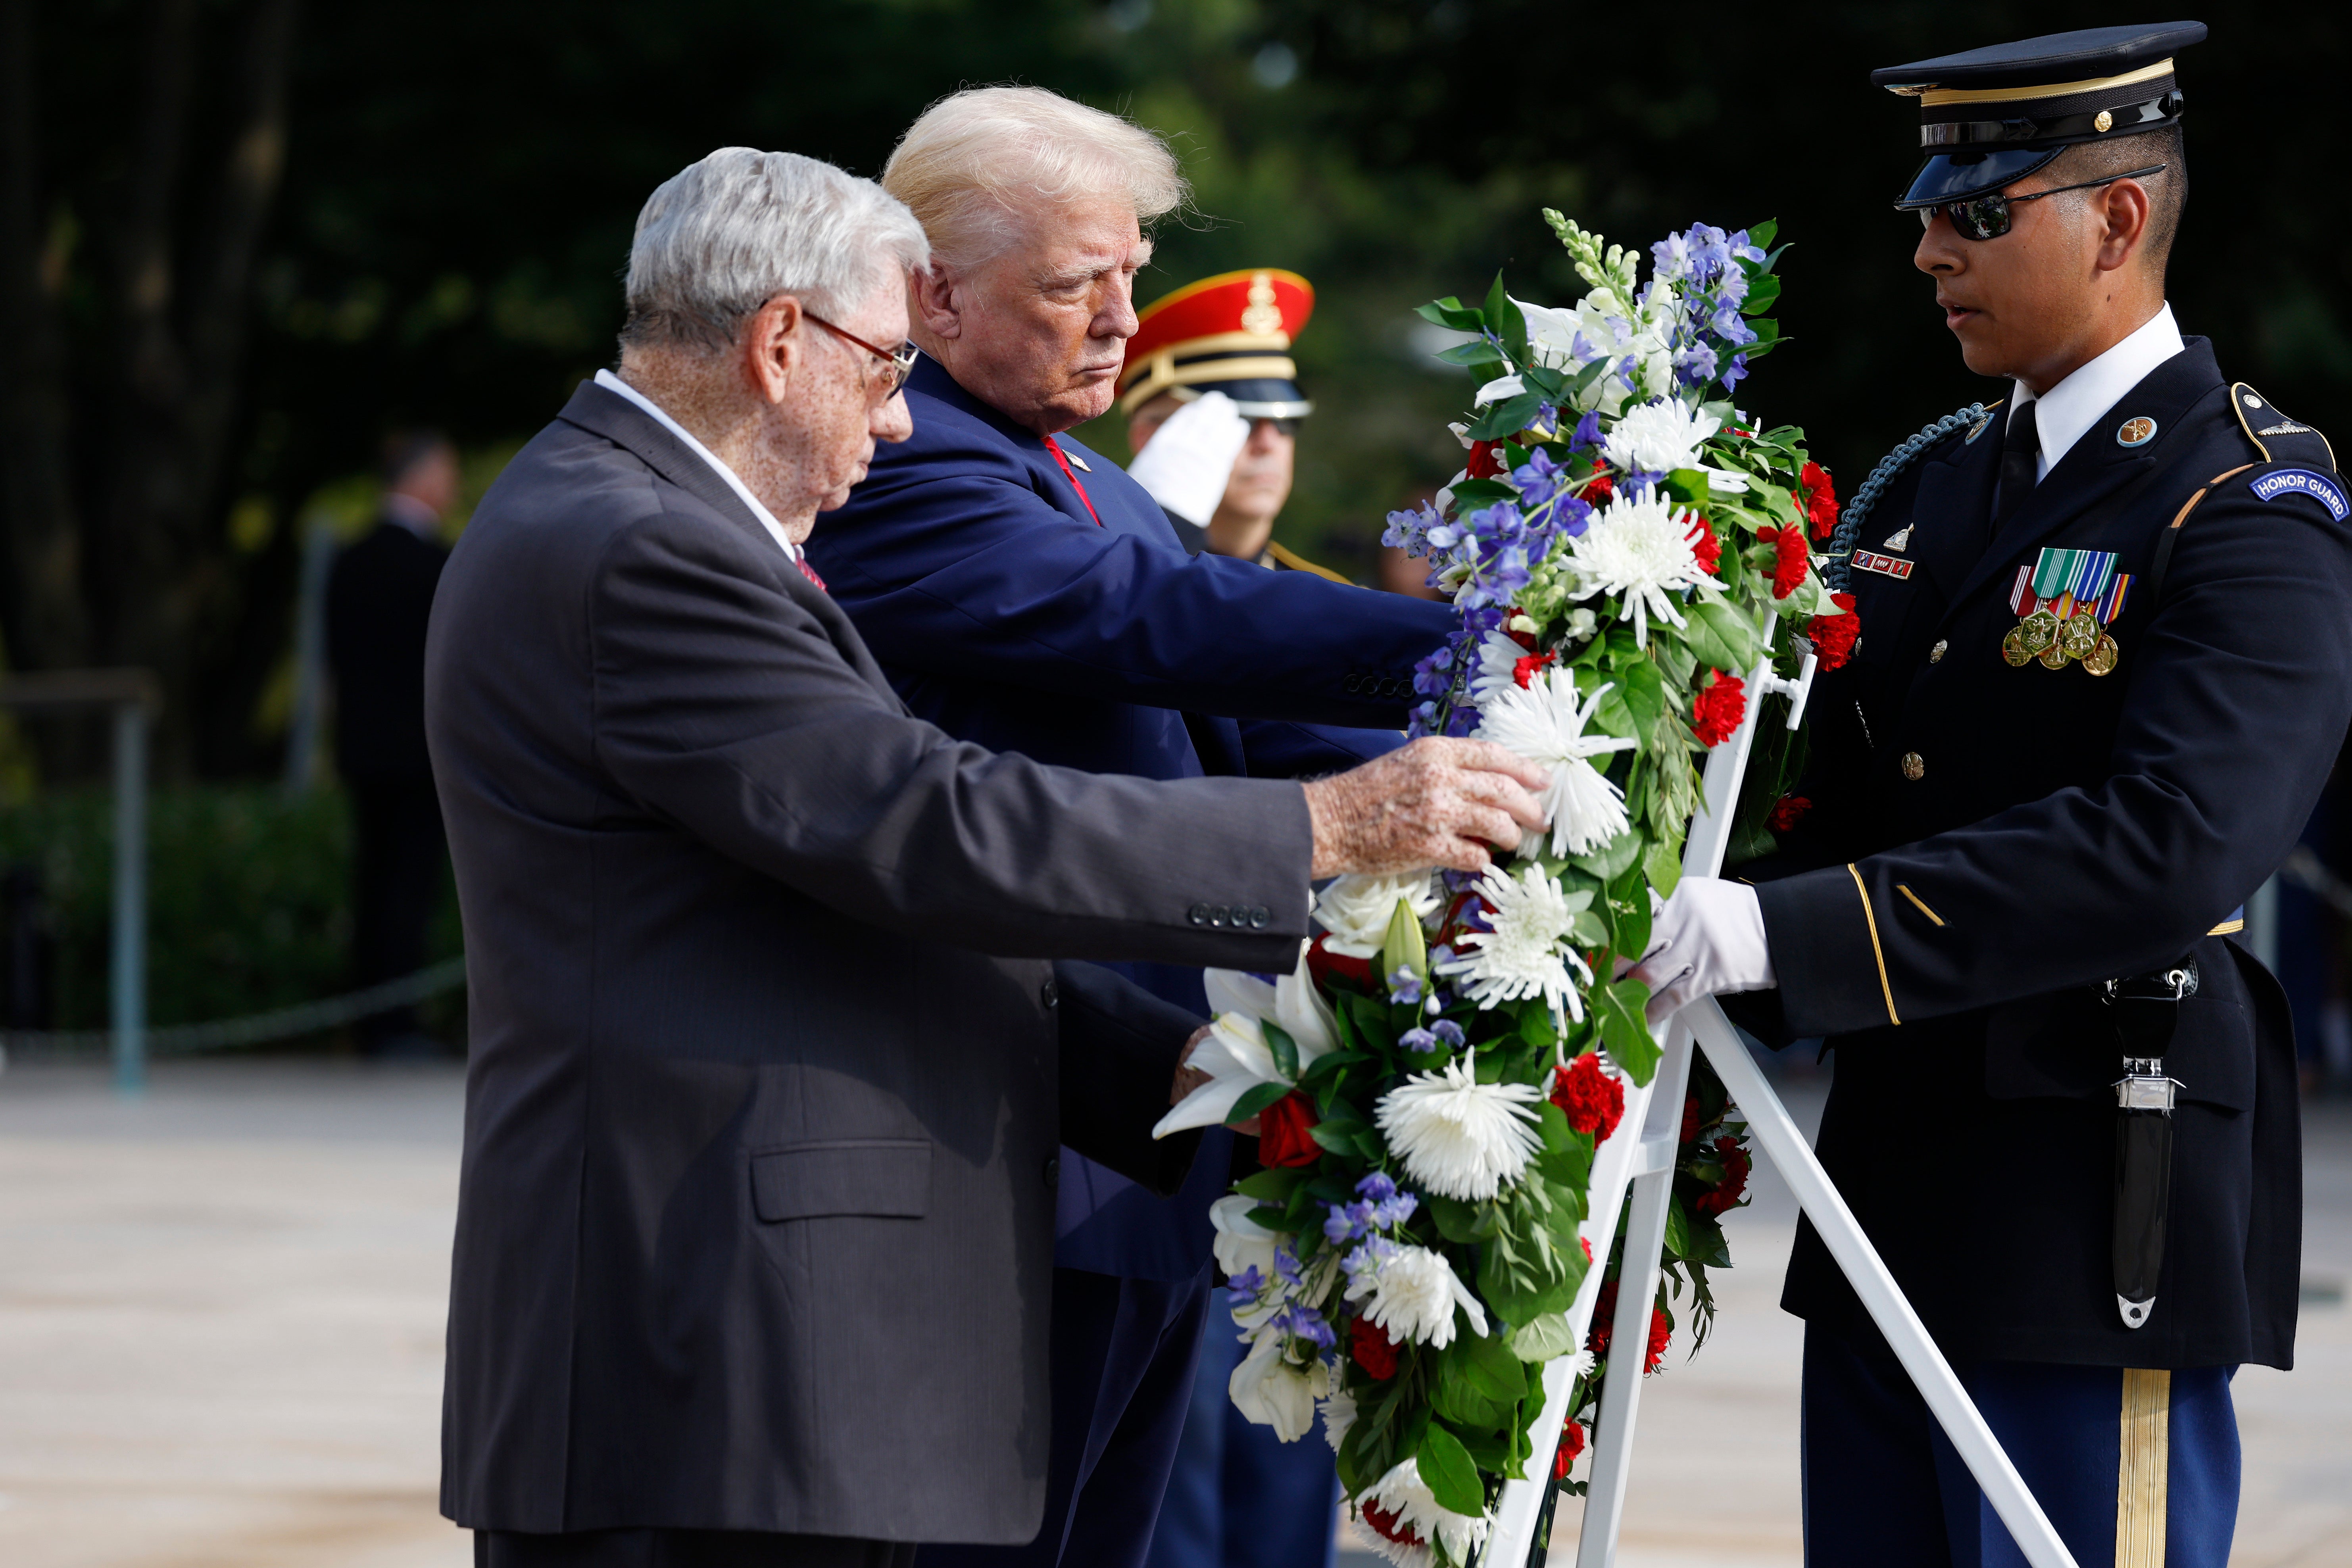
(1839, 551)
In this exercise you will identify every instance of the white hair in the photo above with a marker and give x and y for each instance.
(723, 236)
(977, 163)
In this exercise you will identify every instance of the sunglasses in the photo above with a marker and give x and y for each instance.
(900, 360)
(1987, 217)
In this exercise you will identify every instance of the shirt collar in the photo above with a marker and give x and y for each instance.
(614, 383)
(2069, 409)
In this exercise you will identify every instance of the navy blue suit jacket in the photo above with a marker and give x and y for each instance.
(1008, 614)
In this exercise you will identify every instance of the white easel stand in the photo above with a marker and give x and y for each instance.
(1640, 1156)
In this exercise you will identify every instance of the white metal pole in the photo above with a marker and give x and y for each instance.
(128, 977)
(1778, 1135)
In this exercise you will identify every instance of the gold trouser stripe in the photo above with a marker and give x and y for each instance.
(2227, 928)
(1917, 904)
(2142, 1468)
(1877, 952)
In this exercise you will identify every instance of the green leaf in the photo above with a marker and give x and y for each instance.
(1687, 486)
(1451, 313)
(1479, 492)
(1762, 296)
(1272, 1185)
(1463, 1224)
(1662, 863)
(1536, 1024)
(1629, 914)
(1645, 695)
(1447, 1472)
(1612, 859)
(1508, 418)
(1370, 1018)
(1336, 1136)
(1761, 235)
(1618, 1007)
(1256, 1098)
(1733, 629)
(1548, 1338)
(1285, 1048)
(1677, 1228)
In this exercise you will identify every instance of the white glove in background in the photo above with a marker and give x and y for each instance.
(1708, 941)
(1188, 462)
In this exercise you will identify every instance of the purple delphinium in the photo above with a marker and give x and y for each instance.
(1409, 530)
(1588, 432)
(1417, 1039)
(1300, 1322)
(1404, 987)
(1538, 478)
(1446, 1029)
(1248, 1282)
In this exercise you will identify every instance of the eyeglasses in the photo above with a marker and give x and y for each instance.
(901, 360)
(1987, 217)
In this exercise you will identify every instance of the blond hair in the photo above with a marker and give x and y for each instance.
(976, 163)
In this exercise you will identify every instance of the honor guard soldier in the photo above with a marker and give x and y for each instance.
(2105, 666)
(1209, 387)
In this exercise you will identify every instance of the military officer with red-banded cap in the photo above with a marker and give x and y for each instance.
(2104, 668)
(1212, 405)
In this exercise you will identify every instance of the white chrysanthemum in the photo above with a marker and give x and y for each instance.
(1356, 910)
(1413, 1510)
(1659, 437)
(1639, 547)
(1271, 1390)
(1460, 1138)
(1544, 723)
(1339, 1414)
(1497, 668)
(1235, 1056)
(1412, 1292)
(1527, 953)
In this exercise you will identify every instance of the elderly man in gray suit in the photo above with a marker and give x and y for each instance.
(775, 1028)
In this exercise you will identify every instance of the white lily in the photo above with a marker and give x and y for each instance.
(1235, 1056)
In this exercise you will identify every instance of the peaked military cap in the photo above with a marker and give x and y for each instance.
(1992, 115)
(1230, 333)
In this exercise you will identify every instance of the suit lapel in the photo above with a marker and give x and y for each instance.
(2097, 465)
(618, 420)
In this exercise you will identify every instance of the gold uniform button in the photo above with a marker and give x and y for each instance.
(1915, 766)
(1936, 654)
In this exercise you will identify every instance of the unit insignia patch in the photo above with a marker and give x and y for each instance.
(2325, 488)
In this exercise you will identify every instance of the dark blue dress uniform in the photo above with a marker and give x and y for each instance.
(1991, 839)
(1055, 614)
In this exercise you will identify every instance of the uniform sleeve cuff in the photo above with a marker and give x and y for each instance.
(1826, 948)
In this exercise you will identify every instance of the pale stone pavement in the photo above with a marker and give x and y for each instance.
(221, 1314)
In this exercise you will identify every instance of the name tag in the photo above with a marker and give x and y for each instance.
(2311, 482)
(1894, 567)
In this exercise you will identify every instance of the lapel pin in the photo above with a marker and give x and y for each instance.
(1898, 539)
(2136, 432)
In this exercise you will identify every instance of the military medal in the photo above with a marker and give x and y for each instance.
(2066, 601)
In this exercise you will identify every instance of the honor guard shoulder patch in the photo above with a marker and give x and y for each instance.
(2277, 436)
(2325, 488)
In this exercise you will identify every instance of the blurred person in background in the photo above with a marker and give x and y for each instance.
(1024, 593)
(1210, 380)
(378, 598)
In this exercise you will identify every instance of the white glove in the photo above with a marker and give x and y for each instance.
(1189, 461)
(1708, 941)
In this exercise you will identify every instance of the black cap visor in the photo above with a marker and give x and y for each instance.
(1956, 176)
(1256, 399)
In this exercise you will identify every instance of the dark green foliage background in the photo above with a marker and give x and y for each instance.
(248, 901)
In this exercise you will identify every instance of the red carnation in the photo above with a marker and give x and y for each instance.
(1370, 1347)
(1834, 636)
(1585, 1243)
(1323, 963)
(1717, 708)
(1604, 1320)
(1598, 490)
(1690, 1119)
(1727, 1192)
(1821, 501)
(1789, 811)
(1484, 464)
(1523, 671)
(1789, 565)
(1592, 1101)
(1389, 1527)
(1283, 1138)
(1705, 546)
(1571, 1447)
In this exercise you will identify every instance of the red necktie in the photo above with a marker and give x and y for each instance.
(1055, 448)
(809, 572)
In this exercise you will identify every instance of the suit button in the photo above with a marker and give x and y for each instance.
(1936, 654)
(1052, 1170)
(1915, 766)
(1198, 914)
(1259, 916)
(1049, 993)
(1217, 914)
(1354, 683)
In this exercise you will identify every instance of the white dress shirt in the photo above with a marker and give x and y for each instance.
(611, 383)
(2069, 409)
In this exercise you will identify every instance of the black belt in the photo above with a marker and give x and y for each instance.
(2143, 1010)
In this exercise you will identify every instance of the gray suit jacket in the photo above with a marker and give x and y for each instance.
(755, 1227)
